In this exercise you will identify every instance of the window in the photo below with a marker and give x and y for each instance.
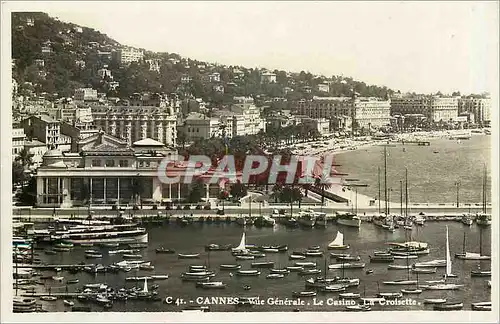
(124, 163)
(148, 164)
(96, 163)
(110, 163)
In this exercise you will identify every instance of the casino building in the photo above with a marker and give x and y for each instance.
(105, 170)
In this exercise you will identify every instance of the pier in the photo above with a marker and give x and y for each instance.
(419, 143)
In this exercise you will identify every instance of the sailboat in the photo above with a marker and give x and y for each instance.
(471, 255)
(241, 248)
(338, 243)
(484, 219)
(443, 285)
(406, 281)
(414, 291)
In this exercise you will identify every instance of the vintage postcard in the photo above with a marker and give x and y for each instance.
(249, 161)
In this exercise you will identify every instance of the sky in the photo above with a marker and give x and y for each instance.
(425, 46)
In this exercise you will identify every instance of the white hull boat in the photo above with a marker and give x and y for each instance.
(338, 243)
(434, 301)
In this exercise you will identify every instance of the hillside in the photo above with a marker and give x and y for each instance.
(54, 58)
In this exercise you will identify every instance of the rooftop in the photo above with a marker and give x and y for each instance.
(148, 142)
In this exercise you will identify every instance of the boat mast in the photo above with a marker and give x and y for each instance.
(484, 190)
(379, 190)
(463, 245)
(406, 193)
(401, 196)
(385, 179)
(480, 241)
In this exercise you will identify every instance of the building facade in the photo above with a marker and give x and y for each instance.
(108, 171)
(199, 126)
(268, 77)
(444, 109)
(371, 112)
(133, 123)
(86, 94)
(252, 122)
(479, 107)
(18, 139)
(128, 55)
(43, 128)
(411, 105)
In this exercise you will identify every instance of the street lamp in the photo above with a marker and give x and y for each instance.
(457, 183)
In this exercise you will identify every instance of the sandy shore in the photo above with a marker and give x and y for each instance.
(337, 146)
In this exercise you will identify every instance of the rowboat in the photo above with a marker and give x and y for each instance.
(296, 257)
(306, 264)
(398, 267)
(400, 282)
(424, 270)
(313, 253)
(480, 273)
(435, 301)
(349, 295)
(68, 302)
(165, 251)
(304, 294)
(346, 266)
(431, 264)
(230, 266)
(245, 257)
(405, 257)
(266, 264)
(349, 258)
(48, 298)
(132, 256)
(188, 256)
(443, 286)
(481, 306)
(390, 295)
(358, 308)
(306, 272)
(449, 306)
(275, 276)
(251, 272)
(412, 291)
(211, 285)
(281, 271)
(333, 288)
(295, 268)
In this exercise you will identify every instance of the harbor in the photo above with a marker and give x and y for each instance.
(187, 256)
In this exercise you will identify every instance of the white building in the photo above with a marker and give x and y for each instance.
(324, 87)
(444, 108)
(128, 55)
(86, 94)
(268, 77)
(103, 73)
(214, 77)
(370, 112)
(154, 65)
(199, 126)
(18, 139)
(37, 149)
(479, 107)
(253, 123)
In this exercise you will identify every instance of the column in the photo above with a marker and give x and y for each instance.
(67, 202)
(118, 193)
(179, 190)
(170, 191)
(40, 190)
(90, 198)
(207, 188)
(104, 190)
(157, 192)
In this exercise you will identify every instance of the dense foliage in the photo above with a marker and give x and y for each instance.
(76, 57)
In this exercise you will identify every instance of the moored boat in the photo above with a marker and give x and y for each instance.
(252, 272)
(358, 265)
(338, 243)
(358, 308)
(434, 301)
(306, 264)
(430, 264)
(481, 306)
(275, 276)
(265, 264)
(449, 306)
(211, 285)
(296, 257)
(349, 295)
(381, 258)
(348, 219)
(230, 266)
(188, 256)
(304, 294)
(164, 250)
(424, 270)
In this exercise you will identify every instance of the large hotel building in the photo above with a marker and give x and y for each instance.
(134, 123)
(367, 112)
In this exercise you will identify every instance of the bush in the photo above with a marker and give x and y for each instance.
(187, 207)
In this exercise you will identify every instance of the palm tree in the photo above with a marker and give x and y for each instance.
(25, 157)
(323, 182)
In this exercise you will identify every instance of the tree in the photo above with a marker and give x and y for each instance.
(24, 157)
(18, 175)
(291, 194)
(27, 196)
(238, 190)
(197, 191)
(322, 183)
